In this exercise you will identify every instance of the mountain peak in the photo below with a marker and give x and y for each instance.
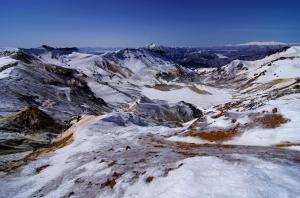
(152, 45)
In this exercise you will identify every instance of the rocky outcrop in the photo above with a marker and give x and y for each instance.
(163, 113)
(37, 102)
(32, 120)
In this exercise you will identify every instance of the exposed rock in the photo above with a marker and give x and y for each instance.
(149, 179)
(32, 119)
(160, 111)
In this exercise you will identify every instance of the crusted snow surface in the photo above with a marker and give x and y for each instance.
(99, 143)
(6, 61)
(221, 56)
(286, 133)
(112, 156)
(238, 176)
(108, 93)
(214, 96)
(6, 64)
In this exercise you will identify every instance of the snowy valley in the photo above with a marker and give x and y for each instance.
(150, 122)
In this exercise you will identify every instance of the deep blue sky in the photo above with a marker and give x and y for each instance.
(130, 23)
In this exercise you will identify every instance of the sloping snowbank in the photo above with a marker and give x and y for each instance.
(289, 107)
(5, 68)
(215, 96)
(238, 177)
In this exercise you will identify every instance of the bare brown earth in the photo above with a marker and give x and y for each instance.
(271, 120)
(215, 136)
(288, 144)
(166, 87)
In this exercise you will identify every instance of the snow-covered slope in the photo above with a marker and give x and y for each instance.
(138, 125)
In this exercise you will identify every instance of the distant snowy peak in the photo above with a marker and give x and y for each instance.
(151, 46)
(263, 43)
(154, 46)
(8, 49)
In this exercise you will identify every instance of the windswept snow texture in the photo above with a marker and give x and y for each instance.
(142, 123)
(212, 97)
(217, 177)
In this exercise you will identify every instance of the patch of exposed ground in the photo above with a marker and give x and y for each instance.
(287, 144)
(198, 91)
(32, 119)
(219, 135)
(113, 69)
(201, 128)
(271, 120)
(166, 87)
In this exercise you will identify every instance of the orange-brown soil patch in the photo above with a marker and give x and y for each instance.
(190, 146)
(215, 136)
(289, 144)
(271, 120)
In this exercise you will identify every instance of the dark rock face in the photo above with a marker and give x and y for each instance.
(63, 49)
(24, 57)
(196, 113)
(161, 112)
(32, 120)
(123, 119)
(39, 85)
(37, 101)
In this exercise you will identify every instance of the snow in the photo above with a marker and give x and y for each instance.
(215, 96)
(283, 65)
(297, 148)
(9, 49)
(187, 139)
(221, 56)
(85, 63)
(6, 61)
(92, 135)
(6, 73)
(238, 177)
(289, 107)
(208, 176)
(152, 46)
(107, 93)
(220, 122)
(283, 69)
(144, 66)
(5, 66)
